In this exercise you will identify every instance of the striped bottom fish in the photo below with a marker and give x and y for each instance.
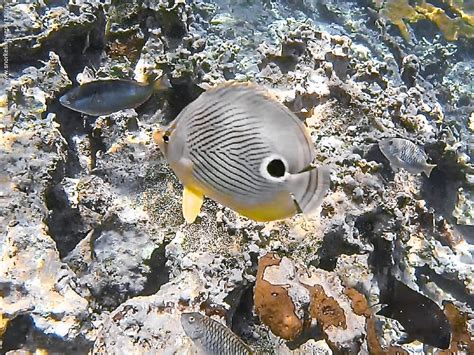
(212, 337)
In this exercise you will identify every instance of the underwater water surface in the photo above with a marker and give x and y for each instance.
(231, 177)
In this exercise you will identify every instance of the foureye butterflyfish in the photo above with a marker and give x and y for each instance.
(241, 147)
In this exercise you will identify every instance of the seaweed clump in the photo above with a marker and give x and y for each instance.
(461, 24)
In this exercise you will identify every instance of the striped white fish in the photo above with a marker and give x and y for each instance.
(239, 146)
(401, 153)
(212, 337)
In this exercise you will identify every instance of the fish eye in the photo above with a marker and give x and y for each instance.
(166, 138)
(276, 168)
(191, 319)
(390, 142)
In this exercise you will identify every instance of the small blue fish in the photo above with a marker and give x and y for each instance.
(103, 97)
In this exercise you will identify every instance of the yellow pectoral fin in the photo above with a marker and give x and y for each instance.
(192, 202)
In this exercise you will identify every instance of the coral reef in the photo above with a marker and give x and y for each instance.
(461, 340)
(331, 308)
(399, 11)
(94, 252)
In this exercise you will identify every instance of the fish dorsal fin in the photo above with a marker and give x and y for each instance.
(192, 202)
(258, 90)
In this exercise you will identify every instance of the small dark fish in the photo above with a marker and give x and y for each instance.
(422, 318)
(404, 154)
(103, 97)
(212, 337)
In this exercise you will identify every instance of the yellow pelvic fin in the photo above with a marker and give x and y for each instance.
(192, 202)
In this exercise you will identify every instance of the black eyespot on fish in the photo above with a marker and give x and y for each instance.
(276, 168)
(166, 138)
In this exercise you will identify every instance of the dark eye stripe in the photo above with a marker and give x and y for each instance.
(225, 135)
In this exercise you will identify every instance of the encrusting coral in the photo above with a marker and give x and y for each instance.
(399, 11)
(461, 340)
(325, 309)
(273, 304)
(95, 256)
(286, 294)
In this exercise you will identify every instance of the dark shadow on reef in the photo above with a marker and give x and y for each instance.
(64, 222)
(159, 274)
(21, 333)
(334, 244)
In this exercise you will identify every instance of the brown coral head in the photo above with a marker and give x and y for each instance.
(360, 306)
(273, 304)
(325, 309)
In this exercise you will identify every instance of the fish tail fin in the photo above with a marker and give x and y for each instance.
(309, 188)
(163, 83)
(428, 168)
